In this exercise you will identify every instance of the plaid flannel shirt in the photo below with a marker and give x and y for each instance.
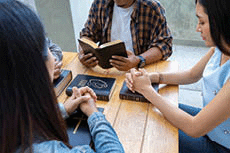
(148, 26)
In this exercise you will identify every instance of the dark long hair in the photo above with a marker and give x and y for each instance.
(219, 19)
(28, 105)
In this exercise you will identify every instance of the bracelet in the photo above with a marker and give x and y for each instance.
(160, 77)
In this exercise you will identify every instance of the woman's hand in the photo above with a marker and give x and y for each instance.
(57, 69)
(79, 96)
(88, 107)
(138, 80)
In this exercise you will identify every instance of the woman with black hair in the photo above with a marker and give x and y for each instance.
(30, 119)
(204, 130)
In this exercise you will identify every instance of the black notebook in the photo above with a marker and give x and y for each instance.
(78, 129)
(127, 94)
(62, 81)
(102, 86)
(103, 52)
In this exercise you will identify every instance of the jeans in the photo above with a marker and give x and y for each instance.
(202, 144)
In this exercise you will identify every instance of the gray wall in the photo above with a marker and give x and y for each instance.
(181, 17)
(65, 18)
(57, 17)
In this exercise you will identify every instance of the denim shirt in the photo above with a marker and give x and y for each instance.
(103, 136)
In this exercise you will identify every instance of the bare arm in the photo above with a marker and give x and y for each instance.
(203, 122)
(124, 64)
(152, 55)
(184, 77)
(217, 111)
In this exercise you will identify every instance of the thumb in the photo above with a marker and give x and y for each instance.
(84, 98)
(76, 92)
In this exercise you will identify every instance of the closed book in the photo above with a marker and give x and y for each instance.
(127, 94)
(62, 81)
(104, 52)
(78, 129)
(102, 86)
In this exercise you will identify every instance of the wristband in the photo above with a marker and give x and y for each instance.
(160, 77)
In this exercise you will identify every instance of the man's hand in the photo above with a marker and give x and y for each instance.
(57, 69)
(123, 63)
(88, 60)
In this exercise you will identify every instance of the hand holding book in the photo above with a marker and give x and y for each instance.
(103, 53)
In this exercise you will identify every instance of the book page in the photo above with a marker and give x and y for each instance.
(91, 43)
(110, 43)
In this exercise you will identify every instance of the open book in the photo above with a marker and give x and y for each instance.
(103, 52)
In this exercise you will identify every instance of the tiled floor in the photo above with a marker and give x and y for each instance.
(187, 56)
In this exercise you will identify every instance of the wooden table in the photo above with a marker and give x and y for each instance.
(140, 127)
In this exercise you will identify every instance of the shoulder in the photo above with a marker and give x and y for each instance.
(154, 5)
(100, 3)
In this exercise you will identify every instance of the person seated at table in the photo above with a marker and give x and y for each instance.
(54, 48)
(57, 53)
(30, 120)
(140, 24)
(207, 129)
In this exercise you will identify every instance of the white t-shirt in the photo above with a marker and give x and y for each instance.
(121, 25)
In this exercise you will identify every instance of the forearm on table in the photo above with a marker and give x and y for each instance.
(103, 135)
(171, 112)
(189, 76)
(152, 55)
(183, 77)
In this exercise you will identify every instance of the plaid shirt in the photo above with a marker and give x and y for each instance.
(148, 25)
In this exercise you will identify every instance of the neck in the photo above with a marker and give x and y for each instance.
(128, 4)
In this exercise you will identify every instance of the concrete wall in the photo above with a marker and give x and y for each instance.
(80, 10)
(57, 17)
(65, 18)
(181, 17)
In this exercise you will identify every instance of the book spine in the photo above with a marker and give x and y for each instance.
(103, 97)
(133, 98)
(99, 97)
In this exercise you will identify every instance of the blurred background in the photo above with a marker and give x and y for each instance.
(64, 19)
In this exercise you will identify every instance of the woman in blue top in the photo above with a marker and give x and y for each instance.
(206, 130)
(30, 119)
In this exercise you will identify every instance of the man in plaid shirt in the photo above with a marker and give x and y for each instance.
(141, 24)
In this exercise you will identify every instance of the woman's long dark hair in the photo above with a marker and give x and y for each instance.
(219, 19)
(28, 105)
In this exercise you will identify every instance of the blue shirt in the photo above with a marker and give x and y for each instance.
(214, 77)
(103, 135)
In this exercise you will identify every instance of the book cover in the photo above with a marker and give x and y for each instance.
(127, 94)
(103, 52)
(102, 86)
(78, 129)
(62, 81)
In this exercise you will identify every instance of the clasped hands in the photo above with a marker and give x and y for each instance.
(83, 98)
(119, 62)
(138, 80)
